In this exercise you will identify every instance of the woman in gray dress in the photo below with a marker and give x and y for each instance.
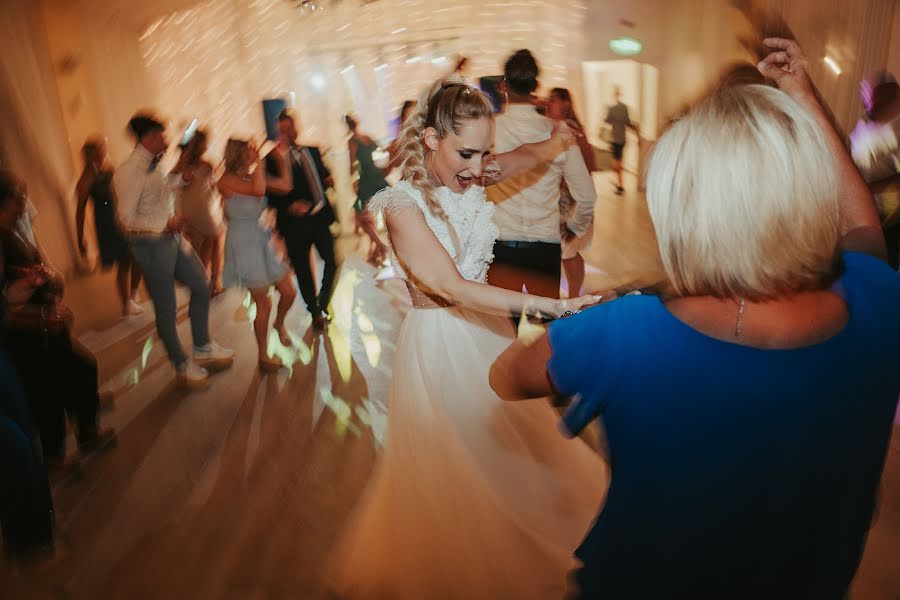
(250, 260)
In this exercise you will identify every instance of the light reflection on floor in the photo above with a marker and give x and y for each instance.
(351, 330)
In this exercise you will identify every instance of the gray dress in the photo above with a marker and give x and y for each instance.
(250, 259)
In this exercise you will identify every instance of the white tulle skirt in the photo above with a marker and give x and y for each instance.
(473, 497)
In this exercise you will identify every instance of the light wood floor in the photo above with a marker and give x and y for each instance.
(239, 491)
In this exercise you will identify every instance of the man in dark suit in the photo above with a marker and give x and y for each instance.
(304, 214)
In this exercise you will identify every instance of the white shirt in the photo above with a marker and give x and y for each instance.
(528, 204)
(145, 197)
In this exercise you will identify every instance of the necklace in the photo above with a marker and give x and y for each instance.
(739, 325)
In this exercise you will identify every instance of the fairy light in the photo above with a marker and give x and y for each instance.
(832, 65)
(231, 68)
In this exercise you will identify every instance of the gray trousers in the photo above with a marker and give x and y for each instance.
(164, 261)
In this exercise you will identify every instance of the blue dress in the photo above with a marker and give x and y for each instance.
(250, 259)
(736, 472)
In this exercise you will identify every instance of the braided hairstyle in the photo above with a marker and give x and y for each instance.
(445, 107)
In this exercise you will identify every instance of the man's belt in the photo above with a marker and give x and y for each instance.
(525, 244)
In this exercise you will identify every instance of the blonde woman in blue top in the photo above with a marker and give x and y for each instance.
(748, 415)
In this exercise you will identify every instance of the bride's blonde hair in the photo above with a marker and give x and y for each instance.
(445, 106)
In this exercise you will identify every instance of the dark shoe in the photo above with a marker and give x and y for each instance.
(619, 190)
(97, 441)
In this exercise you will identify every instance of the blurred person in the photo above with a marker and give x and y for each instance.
(200, 208)
(26, 505)
(748, 415)
(528, 253)
(153, 230)
(60, 377)
(618, 119)
(394, 147)
(370, 182)
(303, 214)
(250, 260)
(559, 107)
(95, 184)
(474, 498)
(875, 149)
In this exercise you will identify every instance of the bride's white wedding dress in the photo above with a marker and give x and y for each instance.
(473, 497)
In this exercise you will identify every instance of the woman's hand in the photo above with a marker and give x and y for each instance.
(572, 306)
(562, 134)
(787, 67)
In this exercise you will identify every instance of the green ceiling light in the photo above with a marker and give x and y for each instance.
(625, 46)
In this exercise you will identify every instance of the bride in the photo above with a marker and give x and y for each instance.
(472, 497)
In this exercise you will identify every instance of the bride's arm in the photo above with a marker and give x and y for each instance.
(527, 156)
(431, 269)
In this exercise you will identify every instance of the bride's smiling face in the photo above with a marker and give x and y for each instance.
(457, 160)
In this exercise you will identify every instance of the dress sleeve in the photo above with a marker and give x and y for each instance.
(392, 200)
(579, 364)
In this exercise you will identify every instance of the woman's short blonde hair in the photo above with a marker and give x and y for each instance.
(235, 152)
(744, 198)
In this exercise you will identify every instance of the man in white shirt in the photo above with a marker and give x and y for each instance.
(147, 214)
(527, 252)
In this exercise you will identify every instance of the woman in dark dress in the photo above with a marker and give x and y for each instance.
(96, 184)
(370, 182)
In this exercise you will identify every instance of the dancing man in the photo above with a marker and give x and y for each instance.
(528, 252)
(303, 214)
(147, 213)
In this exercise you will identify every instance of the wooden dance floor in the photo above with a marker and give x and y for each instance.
(239, 491)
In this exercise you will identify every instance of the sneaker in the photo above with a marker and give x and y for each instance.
(192, 377)
(133, 308)
(214, 356)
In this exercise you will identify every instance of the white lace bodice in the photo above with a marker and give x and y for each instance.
(470, 214)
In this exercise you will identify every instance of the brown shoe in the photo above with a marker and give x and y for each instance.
(270, 365)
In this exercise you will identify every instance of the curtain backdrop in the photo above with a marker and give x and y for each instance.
(32, 132)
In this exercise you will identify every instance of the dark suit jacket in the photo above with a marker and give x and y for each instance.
(302, 192)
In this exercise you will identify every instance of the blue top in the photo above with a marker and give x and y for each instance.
(736, 472)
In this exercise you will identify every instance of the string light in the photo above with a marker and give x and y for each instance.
(207, 64)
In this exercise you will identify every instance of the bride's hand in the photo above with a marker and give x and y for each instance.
(572, 306)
